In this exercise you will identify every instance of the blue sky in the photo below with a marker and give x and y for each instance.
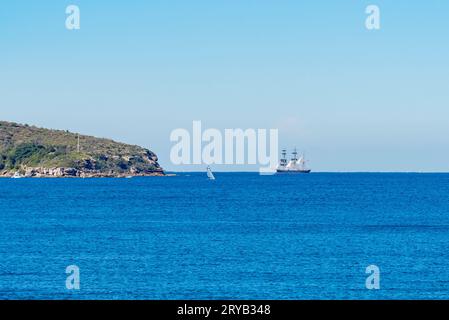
(353, 99)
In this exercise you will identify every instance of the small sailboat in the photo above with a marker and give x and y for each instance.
(210, 175)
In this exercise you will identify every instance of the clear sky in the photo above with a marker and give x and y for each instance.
(353, 99)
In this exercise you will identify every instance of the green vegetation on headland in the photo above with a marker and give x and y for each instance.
(38, 152)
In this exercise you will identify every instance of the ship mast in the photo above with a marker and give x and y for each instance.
(284, 157)
(78, 144)
(295, 155)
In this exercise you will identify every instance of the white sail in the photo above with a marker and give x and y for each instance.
(292, 165)
(210, 175)
(302, 163)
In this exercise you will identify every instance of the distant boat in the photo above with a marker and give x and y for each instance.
(210, 175)
(295, 165)
(17, 175)
(128, 177)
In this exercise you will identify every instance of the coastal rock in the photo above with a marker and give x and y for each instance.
(37, 152)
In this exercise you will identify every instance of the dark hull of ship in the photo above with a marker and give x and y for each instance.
(292, 171)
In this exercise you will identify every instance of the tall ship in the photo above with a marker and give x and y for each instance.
(295, 165)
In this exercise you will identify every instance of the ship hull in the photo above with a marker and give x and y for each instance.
(292, 171)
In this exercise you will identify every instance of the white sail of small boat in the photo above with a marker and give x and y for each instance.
(210, 175)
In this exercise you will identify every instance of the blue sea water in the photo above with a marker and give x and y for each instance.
(243, 236)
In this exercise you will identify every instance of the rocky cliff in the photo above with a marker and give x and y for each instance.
(38, 152)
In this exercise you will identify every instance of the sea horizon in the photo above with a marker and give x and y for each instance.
(314, 172)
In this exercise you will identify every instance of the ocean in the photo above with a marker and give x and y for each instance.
(242, 236)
